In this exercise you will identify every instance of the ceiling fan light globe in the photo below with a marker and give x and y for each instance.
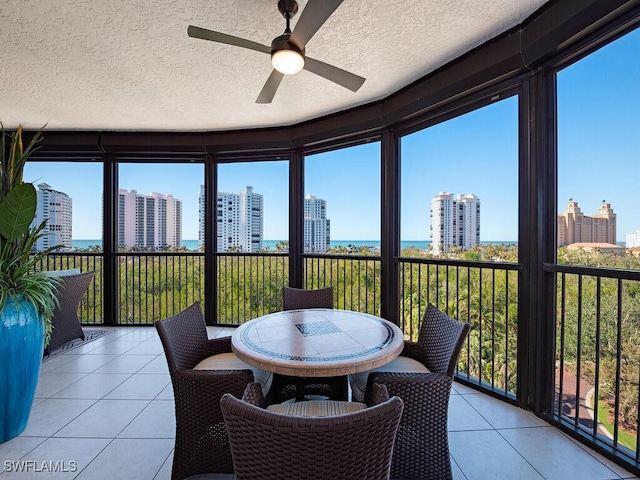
(288, 62)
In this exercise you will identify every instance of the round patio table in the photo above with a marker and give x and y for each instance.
(317, 342)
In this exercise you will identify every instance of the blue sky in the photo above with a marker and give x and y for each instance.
(599, 132)
(474, 153)
(598, 151)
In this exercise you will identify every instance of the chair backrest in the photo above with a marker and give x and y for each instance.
(272, 446)
(71, 289)
(297, 298)
(441, 338)
(184, 337)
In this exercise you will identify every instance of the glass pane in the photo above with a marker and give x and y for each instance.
(70, 199)
(158, 206)
(342, 200)
(459, 200)
(459, 186)
(598, 156)
(72, 207)
(158, 211)
(597, 349)
(342, 216)
(252, 235)
(253, 206)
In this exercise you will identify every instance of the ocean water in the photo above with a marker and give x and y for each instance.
(193, 244)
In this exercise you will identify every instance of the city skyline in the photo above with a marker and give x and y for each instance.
(601, 225)
(620, 234)
(598, 154)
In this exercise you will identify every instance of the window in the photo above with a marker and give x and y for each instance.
(257, 195)
(448, 170)
(598, 153)
(342, 200)
(159, 206)
(72, 208)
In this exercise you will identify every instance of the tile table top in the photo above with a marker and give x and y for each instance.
(317, 342)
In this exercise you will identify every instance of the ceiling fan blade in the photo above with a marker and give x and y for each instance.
(337, 75)
(204, 34)
(311, 19)
(270, 87)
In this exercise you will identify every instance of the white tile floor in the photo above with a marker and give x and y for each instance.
(104, 410)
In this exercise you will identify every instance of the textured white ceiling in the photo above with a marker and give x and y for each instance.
(129, 64)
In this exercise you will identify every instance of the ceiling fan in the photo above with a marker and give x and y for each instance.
(288, 50)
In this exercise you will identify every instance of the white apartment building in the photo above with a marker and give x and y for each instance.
(633, 239)
(56, 208)
(240, 220)
(317, 227)
(201, 219)
(575, 227)
(455, 221)
(152, 221)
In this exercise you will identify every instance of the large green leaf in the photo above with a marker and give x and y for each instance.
(17, 211)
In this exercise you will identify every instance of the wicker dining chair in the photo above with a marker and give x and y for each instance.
(297, 298)
(422, 376)
(285, 386)
(65, 323)
(274, 446)
(201, 444)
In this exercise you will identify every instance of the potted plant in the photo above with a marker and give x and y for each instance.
(27, 297)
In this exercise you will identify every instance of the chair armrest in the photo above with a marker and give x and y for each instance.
(414, 388)
(378, 394)
(253, 394)
(216, 346)
(211, 382)
(414, 351)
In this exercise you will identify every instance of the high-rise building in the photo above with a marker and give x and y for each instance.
(575, 227)
(201, 219)
(317, 227)
(633, 239)
(55, 207)
(240, 219)
(455, 221)
(152, 221)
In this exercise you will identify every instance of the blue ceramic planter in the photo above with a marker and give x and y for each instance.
(21, 347)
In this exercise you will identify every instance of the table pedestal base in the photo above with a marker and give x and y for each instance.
(285, 387)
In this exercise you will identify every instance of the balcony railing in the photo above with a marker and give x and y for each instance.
(597, 355)
(484, 294)
(90, 309)
(597, 322)
(249, 285)
(157, 285)
(355, 280)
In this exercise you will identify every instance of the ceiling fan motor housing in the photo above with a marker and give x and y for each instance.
(288, 8)
(282, 43)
